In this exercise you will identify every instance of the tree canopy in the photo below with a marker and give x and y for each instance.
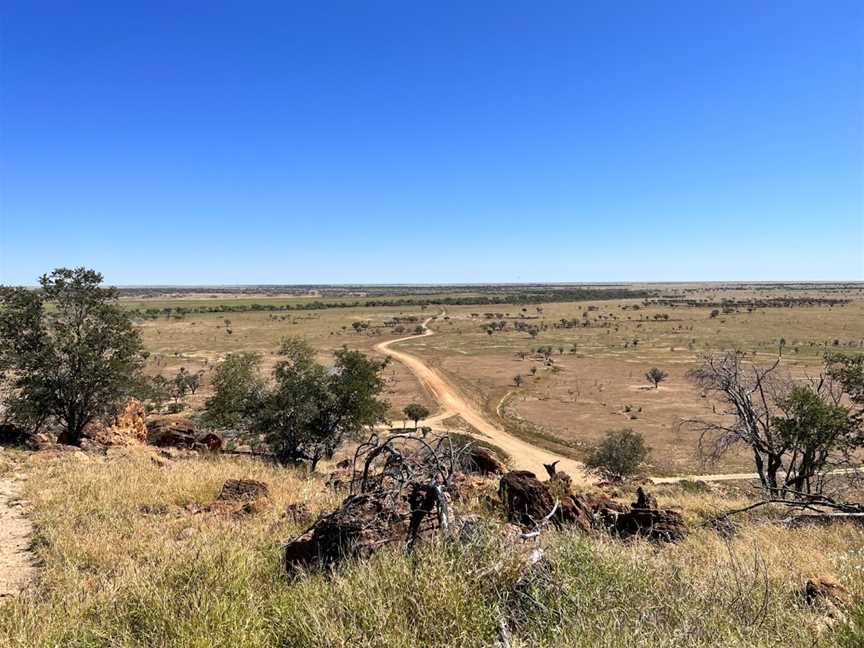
(308, 409)
(70, 354)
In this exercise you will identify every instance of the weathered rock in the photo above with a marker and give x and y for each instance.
(528, 501)
(212, 441)
(360, 525)
(237, 490)
(88, 445)
(11, 434)
(824, 589)
(127, 427)
(345, 464)
(525, 498)
(464, 488)
(646, 520)
(485, 462)
(179, 433)
(644, 500)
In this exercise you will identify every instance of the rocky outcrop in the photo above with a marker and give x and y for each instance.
(361, 525)
(181, 433)
(528, 501)
(127, 427)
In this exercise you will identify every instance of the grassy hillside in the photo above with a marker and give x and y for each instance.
(127, 561)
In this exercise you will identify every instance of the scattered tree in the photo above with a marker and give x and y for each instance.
(237, 388)
(71, 353)
(797, 433)
(415, 412)
(312, 409)
(619, 454)
(655, 376)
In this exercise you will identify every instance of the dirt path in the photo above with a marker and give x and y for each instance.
(524, 456)
(16, 560)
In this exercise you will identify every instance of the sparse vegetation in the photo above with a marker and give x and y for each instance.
(655, 376)
(620, 453)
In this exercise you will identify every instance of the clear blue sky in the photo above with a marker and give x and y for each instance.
(362, 141)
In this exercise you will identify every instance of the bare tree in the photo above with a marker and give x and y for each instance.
(797, 433)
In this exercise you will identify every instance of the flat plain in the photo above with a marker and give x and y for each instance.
(581, 364)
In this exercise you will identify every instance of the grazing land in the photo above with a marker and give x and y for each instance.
(140, 539)
(582, 363)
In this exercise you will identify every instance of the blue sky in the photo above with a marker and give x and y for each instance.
(250, 142)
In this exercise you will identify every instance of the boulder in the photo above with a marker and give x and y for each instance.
(359, 526)
(484, 461)
(212, 441)
(646, 520)
(178, 433)
(91, 446)
(13, 435)
(525, 498)
(824, 589)
(527, 501)
(239, 490)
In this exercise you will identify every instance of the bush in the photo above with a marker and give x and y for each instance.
(619, 454)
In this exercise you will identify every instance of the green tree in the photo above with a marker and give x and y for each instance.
(237, 388)
(71, 354)
(619, 454)
(817, 434)
(415, 412)
(155, 391)
(312, 409)
(655, 376)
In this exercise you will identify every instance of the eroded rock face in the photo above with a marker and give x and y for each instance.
(127, 427)
(182, 433)
(646, 520)
(526, 499)
(361, 525)
(177, 433)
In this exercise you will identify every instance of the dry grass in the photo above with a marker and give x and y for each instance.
(124, 563)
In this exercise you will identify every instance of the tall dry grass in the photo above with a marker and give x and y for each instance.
(124, 563)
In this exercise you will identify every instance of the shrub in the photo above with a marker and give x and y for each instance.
(619, 454)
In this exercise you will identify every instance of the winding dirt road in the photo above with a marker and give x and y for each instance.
(523, 455)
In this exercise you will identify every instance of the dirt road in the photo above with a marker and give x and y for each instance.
(523, 455)
(16, 566)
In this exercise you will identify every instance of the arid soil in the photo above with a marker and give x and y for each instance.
(16, 565)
